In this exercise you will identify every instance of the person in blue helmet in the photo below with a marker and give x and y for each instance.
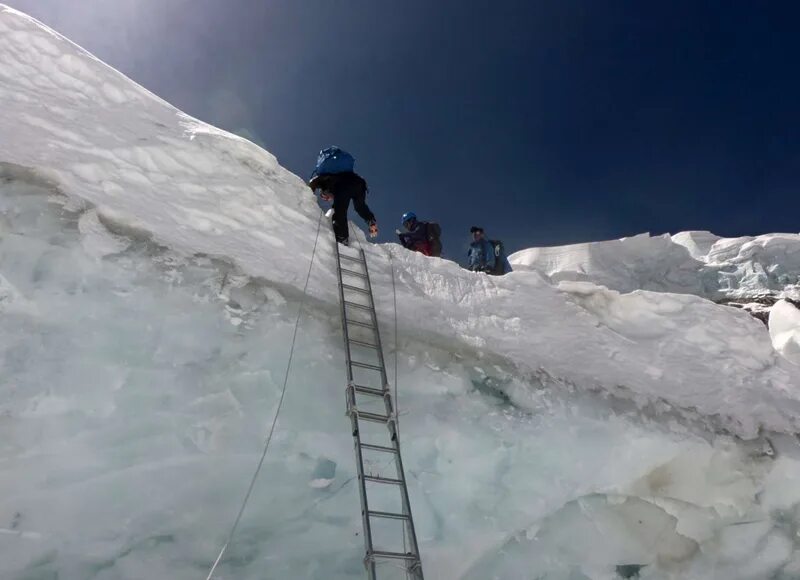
(419, 236)
(481, 256)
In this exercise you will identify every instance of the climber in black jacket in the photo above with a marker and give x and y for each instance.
(341, 188)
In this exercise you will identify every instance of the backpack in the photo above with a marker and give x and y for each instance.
(434, 237)
(333, 160)
(499, 258)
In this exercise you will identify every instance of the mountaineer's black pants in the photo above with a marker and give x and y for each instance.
(341, 202)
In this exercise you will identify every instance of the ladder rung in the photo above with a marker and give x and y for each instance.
(351, 258)
(378, 448)
(396, 555)
(362, 343)
(370, 391)
(368, 366)
(411, 560)
(359, 323)
(355, 288)
(374, 417)
(387, 515)
(379, 479)
(361, 306)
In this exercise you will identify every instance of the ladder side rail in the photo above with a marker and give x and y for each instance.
(344, 316)
(374, 316)
(362, 486)
(414, 568)
(362, 489)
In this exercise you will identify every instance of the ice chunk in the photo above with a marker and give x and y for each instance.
(784, 329)
(324, 473)
(698, 243)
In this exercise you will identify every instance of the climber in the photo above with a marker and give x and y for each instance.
(337, 182)
(422, 237)
(481, 256)
(487, 256)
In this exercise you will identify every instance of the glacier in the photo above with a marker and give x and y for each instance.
(593, 414)
(697, 263)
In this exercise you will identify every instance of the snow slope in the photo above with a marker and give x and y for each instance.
(689, 262)
(151, 268)
(638, 263)
(145, 167)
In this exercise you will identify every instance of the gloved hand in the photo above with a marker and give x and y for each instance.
(373, 230)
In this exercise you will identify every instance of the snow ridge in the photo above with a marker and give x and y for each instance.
(699, 263)
(144, 167)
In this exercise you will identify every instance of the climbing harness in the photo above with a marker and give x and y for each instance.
(277, 411)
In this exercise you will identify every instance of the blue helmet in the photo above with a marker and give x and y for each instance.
(407, 217)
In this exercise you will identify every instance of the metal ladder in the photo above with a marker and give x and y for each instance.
(360, 329)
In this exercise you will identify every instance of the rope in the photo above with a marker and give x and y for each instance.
(277, 411)
(396, 400)
(396, 346)
(396, 350)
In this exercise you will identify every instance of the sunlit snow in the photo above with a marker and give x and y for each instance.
(689, 262)
(568, 420)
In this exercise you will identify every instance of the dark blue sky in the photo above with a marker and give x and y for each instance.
(546, 122)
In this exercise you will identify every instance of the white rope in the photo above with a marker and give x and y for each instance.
(396, 400)
(396, 346)
(277, 411)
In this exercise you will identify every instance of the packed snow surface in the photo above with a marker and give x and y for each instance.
(689, 262)
(151, 269)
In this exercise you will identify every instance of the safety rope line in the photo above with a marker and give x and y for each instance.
(396, 350)
(396, 400)
(277, 411)
(396, 347)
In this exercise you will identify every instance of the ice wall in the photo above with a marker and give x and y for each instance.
(138, 385)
